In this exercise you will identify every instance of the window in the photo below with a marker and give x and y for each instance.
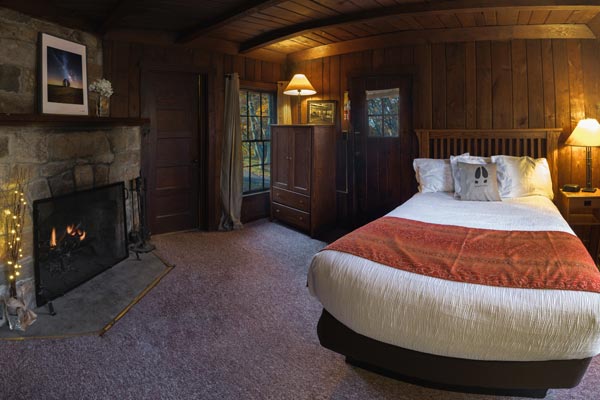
(382, 112)
(257, 113)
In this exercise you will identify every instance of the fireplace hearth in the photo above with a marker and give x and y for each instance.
(76, 237)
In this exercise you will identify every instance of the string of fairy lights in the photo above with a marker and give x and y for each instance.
(14, 205)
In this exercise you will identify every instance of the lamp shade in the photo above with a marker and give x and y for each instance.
(299, 86)
(586, 133)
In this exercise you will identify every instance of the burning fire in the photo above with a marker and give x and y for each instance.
(71, 230)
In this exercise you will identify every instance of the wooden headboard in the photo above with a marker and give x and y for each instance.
(443, 143)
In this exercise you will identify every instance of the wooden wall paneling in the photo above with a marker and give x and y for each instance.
(563, 111)
(470, 86)
(423, 119)
(535, 84)
(316, 78)
(455, 85)
(577, 105)
(591, 79)
(119, 106)
(378, 59)
(216, 90)
(250, 69)
(134, 80)
(501, 85)
(548, 82)
(519, 81)
(239, 66)
(438, 72)
(484, 85)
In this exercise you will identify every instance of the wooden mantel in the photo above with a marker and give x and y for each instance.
(69, 120)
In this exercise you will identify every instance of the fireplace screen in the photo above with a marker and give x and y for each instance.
(77, 236)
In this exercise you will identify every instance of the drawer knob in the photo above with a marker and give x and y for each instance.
(277, 210)
(587, 203)
(301, 218)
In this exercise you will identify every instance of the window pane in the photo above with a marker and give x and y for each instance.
(255, 130)
(243, 102)
(374, 106)
(246, 185)
(246, 154)
(266, 128)
(256, 179)
(375, 128)
(244, 128)
(254, 103)
(257, 154)
(390, 126)
(390, 105)
(266, 105)
(267, 153)
(267, 176)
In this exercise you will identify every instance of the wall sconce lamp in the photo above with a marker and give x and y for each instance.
(299, 86)
(586, 134)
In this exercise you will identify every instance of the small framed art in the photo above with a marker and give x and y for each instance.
(321, 111)
(62, 76)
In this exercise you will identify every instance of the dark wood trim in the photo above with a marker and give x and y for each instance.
(271, 87)
(410, 9)
(205, 27)
(473, 34)
(119, 11)
(69, 120)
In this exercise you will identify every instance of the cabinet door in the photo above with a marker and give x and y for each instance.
(301, 160)
(281, 142)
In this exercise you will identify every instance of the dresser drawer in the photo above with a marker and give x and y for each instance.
(292, 216)
(291, 199)
(582, 203)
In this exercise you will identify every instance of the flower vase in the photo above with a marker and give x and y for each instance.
(103, 106)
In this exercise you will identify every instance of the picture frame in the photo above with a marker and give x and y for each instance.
(62, 71)
(322, 111)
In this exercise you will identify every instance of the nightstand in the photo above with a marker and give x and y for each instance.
(582, 212)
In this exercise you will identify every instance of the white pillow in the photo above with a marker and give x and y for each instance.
(467, 159)
(523, 176)
(433, 175)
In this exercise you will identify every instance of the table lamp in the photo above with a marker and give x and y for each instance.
(299, 86)
(586, 134)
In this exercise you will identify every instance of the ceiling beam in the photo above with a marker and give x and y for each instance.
(551, 31)
(251, 7)
(412, 9)
(594, 25)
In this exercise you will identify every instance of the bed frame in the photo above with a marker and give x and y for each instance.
(530, 379)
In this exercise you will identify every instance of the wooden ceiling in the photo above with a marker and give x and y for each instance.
(302, 29)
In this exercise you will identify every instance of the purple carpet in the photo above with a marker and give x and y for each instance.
(233, 320)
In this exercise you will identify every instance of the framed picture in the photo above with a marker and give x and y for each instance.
(62, 76)
(321, 111)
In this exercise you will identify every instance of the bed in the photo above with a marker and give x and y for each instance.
(461, 335)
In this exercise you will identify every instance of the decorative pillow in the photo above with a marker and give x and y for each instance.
(523, 176)
(433, 175)
(465, 158)
(478, 182)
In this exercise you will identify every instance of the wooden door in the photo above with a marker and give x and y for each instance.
(171, 150)
(281, 142)
(300, 158)
(383, 142)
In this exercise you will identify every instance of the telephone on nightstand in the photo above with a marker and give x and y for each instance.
(571, 187)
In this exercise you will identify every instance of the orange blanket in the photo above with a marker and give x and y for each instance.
(519, 259)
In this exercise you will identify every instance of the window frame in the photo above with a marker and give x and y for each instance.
(273, 120)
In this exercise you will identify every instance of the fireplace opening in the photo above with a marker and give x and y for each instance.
(76, 237)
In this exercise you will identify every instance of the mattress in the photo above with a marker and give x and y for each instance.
(457, 319)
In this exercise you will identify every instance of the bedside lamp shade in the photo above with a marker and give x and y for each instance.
(299, 86)
(586, 134)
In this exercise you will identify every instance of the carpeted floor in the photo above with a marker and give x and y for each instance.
(233, 320)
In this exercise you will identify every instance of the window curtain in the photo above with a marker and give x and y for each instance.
(284, 107)
(231, 158)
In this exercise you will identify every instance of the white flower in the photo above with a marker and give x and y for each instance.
(102, 87)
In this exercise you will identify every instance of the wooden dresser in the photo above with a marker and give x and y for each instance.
(303, 176)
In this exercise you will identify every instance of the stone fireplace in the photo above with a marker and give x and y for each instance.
(58, 161)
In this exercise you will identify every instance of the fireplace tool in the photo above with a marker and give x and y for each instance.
(139, 235)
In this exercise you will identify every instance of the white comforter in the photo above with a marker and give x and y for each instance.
(456, 319)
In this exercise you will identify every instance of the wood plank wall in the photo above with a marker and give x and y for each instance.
(499, 84)
(123, 63)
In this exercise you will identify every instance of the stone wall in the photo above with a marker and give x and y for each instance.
(59, 161)
(18, 58)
